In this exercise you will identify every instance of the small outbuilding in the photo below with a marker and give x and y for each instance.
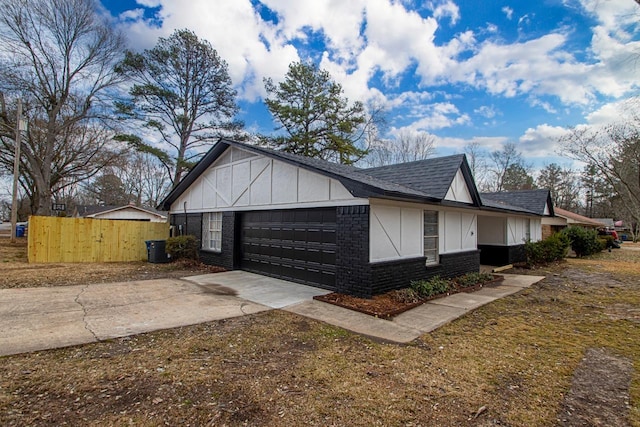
(126, 212)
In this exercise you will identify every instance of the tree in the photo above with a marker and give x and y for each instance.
(108, 189)
(613, 153)
(506, 163)
(316, 119)
(58, 56)
(563, 185)
(516, 177)
(183, 94)
(477, 158)
(407, 147)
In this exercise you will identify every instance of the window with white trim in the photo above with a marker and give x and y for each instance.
(212, 231)
(527, 230)
(431, 237)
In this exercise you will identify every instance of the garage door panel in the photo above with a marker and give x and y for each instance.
(297, 245)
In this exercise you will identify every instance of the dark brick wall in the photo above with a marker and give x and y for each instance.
(353, 272)
(390, 275)
(460, 263)
(501, 255)
(192, 224)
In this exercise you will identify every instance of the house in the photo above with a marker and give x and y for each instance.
(127, 212)
(351, 230)
(516, 219)
(563, 219)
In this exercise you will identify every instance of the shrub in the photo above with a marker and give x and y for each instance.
(406, 296)
(472, 279)
(553, 248)
(430, 287)
(584, 242)
(182, 247)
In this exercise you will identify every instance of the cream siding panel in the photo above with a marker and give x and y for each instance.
(384, 233)
(260, 193)
(458, 231)
(411, 243)
(459, 192)
(312, 187)
(492, 230)
(284, 185)
(223, 186)
(536, 229)
(338, 191)
(546, 209)
(395, 233)
(241, 177)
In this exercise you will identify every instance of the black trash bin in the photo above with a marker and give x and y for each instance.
(156, 252)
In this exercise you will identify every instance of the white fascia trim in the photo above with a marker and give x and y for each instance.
(351, 202)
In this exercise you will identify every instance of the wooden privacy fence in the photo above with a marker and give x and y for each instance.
(54, 239)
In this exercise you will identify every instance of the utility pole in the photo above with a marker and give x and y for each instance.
(16, 172)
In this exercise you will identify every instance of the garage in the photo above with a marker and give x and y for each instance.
(297, 245)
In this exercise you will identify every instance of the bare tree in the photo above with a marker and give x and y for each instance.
(614, 152)
(563, 184)
(407, 147)
(58, 55)
(477, 159)
(502, 164)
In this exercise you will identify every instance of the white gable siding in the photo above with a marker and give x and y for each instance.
(536, 229)
(242, 180)
(395, 233)
(459, 192)
(546, 209)
(129, 213)
(458, 232)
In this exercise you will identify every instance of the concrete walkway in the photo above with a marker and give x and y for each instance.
(43, 318)
(411, 324)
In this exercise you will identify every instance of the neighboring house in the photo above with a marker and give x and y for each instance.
(355, 231)
(563, 219)
(501, 237)
(128, 212)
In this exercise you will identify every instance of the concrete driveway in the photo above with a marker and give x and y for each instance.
(43, 318)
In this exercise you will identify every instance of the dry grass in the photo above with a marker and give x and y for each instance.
(515, 357)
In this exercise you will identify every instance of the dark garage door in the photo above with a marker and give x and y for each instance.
(297, 245)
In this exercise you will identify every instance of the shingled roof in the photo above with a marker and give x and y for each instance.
(430, 176)
(425, 181)
(527, 201)
(358, 183)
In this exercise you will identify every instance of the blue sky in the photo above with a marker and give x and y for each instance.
(462, 71)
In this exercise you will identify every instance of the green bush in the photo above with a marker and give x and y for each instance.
(430, 287)
(553, 248)
(182, 247)
(472, 279)
(584, 242)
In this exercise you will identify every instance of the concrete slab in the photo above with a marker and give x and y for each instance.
(463, 300)
(499, 291)
(44, 318)
(274, 293)
(520, 280)
(355, 321)
(428, 317)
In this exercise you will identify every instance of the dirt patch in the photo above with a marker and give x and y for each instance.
(599, 394)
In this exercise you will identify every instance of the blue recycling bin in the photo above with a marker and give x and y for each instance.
(20, 230)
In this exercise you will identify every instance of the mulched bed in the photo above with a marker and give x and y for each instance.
(388, 305)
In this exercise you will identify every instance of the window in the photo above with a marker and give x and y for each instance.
(527, 230)
(212, 231)
(431, 237)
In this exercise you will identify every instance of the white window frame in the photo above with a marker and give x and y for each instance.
(431, 251)
(212, 231)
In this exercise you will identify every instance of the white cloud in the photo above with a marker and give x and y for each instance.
(486, 111)
(541, 141)
(508, 12)
(446, 9)
(434, 116)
